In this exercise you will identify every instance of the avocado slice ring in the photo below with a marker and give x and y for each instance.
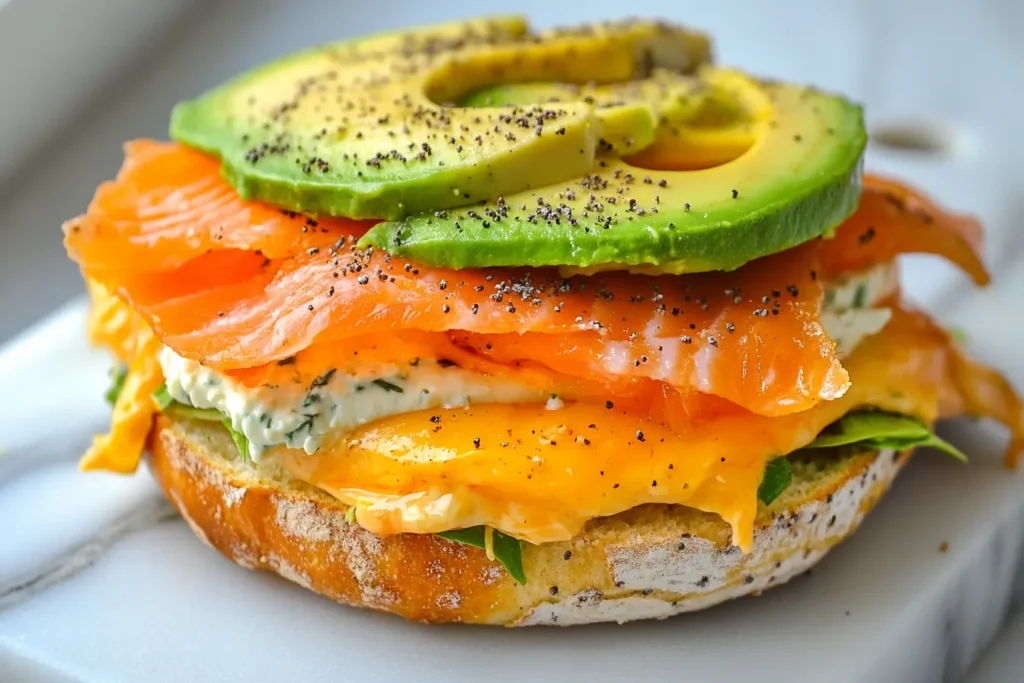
(356, 129)
(796, 176)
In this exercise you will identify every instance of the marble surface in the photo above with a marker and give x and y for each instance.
(1005, 660)
(100, 582)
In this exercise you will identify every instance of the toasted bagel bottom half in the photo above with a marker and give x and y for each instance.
(650, 562)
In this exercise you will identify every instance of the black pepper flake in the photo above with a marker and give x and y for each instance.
(639, 435)
(476, 442)
(609, 405)
(735, 194)
(553, 590)
(567, 555)
(435, 419)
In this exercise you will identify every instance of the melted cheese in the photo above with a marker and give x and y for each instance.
(115, 325)
(541, 475)
(278, 416)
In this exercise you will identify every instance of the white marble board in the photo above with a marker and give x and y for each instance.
(100, 582)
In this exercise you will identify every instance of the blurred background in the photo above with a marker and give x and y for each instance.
(940, 81)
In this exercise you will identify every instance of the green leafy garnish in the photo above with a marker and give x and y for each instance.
(507, 550)
(241, 442)
(830, 297)
(860, 296)
(388, 386)
(875, 429)
(163, 397)
(118, 374)
(185, 410)
(168, 403)
(777, 476)
(958, 334)
(868, 429)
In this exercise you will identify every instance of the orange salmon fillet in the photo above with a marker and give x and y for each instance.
(237, 285)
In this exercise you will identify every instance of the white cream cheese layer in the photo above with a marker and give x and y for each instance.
(850, 311)
(301, 417)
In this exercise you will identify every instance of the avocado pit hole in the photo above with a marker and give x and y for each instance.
(679, 156)
(682, 147)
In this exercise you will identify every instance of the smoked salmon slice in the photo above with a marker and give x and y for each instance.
(893, 219)
(751, 336)
(169, 204)
(237, 284)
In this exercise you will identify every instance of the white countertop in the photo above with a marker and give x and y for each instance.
(147, 587)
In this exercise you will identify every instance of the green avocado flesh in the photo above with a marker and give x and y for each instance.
(365, 128)
(684, 106)
(799, 177)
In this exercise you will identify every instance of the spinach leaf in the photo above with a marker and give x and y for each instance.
(118, 374)
(507, 550)
(868, 429)
(163, 397)
(168, 403)
(875, 429)
(777, 477)
(241, 442)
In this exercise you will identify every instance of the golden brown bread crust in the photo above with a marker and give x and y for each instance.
(650, 562)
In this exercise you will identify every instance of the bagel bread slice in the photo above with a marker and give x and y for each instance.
(653, 561)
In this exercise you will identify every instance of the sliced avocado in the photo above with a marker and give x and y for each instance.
(361, 128)
(699, 124)
(799, 178)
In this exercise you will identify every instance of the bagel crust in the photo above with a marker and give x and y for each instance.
(650, 562)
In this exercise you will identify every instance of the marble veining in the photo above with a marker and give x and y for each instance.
(84, 556)
(96, 574)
